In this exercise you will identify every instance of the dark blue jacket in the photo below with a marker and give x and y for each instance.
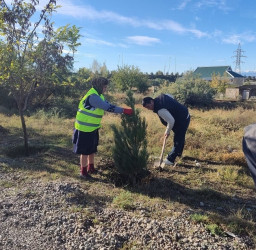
(177, 110)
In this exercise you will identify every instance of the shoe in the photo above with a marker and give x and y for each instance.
(82, 176)
(91, 169)
(169, 163)
(83, 173)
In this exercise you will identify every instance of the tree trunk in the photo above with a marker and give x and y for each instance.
(24, 128)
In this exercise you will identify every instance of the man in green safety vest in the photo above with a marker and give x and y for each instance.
(88, 121)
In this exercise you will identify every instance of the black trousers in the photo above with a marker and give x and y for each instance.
(179, 141)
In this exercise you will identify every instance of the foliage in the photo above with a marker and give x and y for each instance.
(199, 218)
(191, 90)
(160, 76)
(124, 200)
(32, 62)
(130, 149)
(70, 36)
(215, 229)
(128, 77)
(219, 84)
(228, 174)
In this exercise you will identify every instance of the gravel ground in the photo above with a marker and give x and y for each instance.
(47, 216)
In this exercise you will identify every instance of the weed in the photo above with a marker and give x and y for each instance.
(228, 174)
(95, 221)
(124, 200)
(199, 218)
(54, 176)
(6, 184)
(30, 194)
(215, 229)
(132, 245)
(81, 209)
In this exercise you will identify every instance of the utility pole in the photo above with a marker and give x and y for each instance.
(238, 54)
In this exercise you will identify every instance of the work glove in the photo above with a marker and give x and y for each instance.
(128, 111)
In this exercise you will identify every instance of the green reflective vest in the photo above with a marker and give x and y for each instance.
(88, 120)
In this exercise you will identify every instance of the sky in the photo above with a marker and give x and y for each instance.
(166, 35)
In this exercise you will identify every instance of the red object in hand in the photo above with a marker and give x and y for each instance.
(128, 111)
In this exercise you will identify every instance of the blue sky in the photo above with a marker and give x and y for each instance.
(171, 36)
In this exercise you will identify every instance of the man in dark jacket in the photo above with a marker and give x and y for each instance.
(175, 117)
(249, 148)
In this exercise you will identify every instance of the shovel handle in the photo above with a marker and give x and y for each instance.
(162, 153)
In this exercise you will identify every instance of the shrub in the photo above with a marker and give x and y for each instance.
(128, 77)
(191, 90)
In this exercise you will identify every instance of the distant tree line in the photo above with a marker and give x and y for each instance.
(250, 78)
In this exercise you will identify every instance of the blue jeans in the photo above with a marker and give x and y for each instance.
(178, 141)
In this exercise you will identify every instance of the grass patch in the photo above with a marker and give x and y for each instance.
(207, 193)
(199, 218)
(229, 174)
(7, 184)
(214, 229)
(19, 150)
(132, 245)
(30, 193)
(124, 201)
(220, 177)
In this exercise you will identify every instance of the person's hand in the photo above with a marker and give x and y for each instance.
(166, 135)
(128, 111)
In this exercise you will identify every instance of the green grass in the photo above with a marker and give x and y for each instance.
(215, 229)
(199, 218)
(124, 200)
(222, 181)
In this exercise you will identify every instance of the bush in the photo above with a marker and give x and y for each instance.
(191, 90)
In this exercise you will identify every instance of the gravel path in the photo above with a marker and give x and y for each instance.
(48, 216)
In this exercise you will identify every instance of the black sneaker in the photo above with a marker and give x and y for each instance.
(84, 177)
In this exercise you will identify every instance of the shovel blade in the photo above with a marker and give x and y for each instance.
(159, 164)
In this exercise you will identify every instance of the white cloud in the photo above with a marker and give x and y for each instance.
(175, 27)
(183, 4)
(220, 4)
(142, 40)
(238, 38)
(98, 42)
(88, 12)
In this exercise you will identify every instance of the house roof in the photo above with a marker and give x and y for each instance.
(234, 74)
(207, 72)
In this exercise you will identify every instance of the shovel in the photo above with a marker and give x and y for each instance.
(158, 163)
